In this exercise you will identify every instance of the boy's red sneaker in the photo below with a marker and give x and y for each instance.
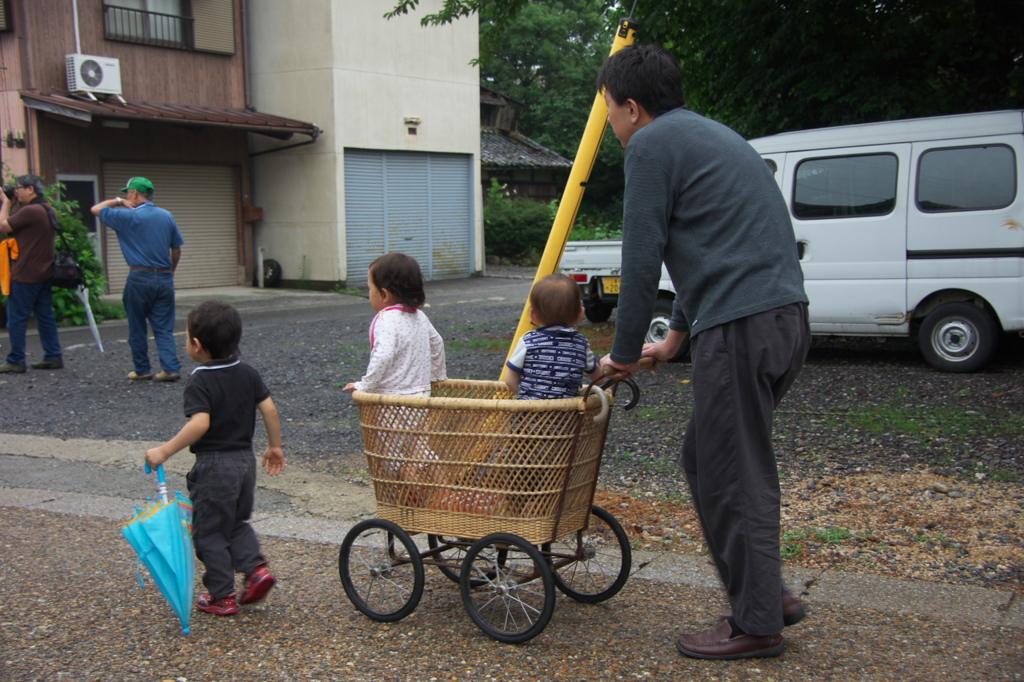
(257, 585)
(225, 606)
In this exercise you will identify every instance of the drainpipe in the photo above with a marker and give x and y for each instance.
(245, 53)
(78, 40)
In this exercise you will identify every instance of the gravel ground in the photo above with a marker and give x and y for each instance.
(888, 467)
(73, 611)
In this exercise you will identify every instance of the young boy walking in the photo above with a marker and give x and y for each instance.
(221, 399)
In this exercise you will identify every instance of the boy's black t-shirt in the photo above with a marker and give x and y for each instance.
(228, 390)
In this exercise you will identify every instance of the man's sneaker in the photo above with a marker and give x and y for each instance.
(52, 363)
(135, 376)
(166, 376)
(257, 585)
(225, 606)
(12, 368)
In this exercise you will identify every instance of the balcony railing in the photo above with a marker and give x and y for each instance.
(147, 28)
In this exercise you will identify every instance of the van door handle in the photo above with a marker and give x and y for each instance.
(801, 249)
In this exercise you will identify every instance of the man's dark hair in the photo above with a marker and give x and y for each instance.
(647, 74)
(400, 274)
(217, 326)
(33, 181)
(556, 299)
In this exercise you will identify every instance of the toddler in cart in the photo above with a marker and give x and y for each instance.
(221, 399)
(550, 361)
(406, 353)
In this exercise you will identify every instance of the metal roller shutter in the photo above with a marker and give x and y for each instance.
(414, 202)
(203, 201)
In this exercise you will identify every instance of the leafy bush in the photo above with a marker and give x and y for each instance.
(596, 224)
(516, 229)
(66, 305)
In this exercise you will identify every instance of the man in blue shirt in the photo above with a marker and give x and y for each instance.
(151, 243)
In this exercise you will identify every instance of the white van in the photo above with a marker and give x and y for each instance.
(911, 227)
(904, 228)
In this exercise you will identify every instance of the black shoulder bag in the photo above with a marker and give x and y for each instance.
(67, 273)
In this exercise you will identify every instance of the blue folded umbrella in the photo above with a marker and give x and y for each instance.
(162, 536)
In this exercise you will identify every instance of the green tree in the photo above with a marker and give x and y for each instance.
(66, 304)
(767, 66)
(547, 57)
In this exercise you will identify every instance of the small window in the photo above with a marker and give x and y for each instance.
(148, 22)
(845, 187)
(200, 25)
(966, 179)
(5, 22)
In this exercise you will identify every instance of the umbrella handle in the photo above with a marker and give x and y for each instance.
(161, 480)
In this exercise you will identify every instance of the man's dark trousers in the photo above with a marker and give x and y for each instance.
(741, 371)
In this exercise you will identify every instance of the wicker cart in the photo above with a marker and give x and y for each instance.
(503, 491)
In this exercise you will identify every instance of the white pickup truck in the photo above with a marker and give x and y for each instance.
(595, 265)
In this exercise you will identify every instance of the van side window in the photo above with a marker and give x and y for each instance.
(966, 179)
(845, 187)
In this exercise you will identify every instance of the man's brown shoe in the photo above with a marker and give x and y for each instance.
(135, 376)
(793, 610)
(166, 376)
(717, 645)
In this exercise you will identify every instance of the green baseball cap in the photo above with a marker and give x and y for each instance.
(139, 185)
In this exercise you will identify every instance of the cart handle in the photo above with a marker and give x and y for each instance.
(645, 363)
(599, 417)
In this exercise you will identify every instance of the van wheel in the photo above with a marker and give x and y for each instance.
(598, 312)
(658, 329)
(958, 337)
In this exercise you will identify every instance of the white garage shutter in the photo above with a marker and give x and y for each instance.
(203, 201)
(414, 202)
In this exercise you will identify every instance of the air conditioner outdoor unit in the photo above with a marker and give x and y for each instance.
(87, 73)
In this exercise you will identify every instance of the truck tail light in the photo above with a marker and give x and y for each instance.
(579, 278)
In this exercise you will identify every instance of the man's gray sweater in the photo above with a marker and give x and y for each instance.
(700, 199)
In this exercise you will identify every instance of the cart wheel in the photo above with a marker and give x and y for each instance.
(507, 588)
(453, 555)
(605, 559)
(383, 578)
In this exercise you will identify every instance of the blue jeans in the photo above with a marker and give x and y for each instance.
(26, 299)
(150, 296)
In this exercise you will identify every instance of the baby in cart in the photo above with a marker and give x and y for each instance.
(550, 361)
(406, 352)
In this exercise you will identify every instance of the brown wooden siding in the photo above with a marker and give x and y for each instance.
(67, 148)
(147, 73)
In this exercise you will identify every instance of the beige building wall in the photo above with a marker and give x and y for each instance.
(359, 77)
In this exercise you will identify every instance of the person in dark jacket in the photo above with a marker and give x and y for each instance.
(699, 199)
(34, 226)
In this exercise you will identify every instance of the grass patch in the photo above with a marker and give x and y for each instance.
(795, 541)
(479, 345)
(656, 412)
(926, 424)
(600, 336)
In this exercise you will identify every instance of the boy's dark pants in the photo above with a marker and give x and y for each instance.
(222, 486)
(741, 370)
